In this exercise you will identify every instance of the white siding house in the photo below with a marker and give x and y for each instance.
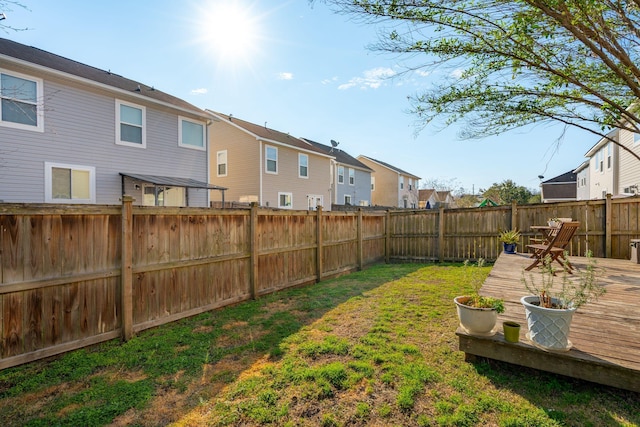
(603, 167)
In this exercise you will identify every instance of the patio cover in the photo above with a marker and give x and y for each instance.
(170, 181)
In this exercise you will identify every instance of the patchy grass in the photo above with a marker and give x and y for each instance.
(373, 348)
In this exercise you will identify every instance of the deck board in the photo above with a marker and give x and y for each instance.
(605, 334)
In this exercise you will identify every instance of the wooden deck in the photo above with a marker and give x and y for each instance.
(605, 334)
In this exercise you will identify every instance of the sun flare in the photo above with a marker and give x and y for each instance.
(230, 30)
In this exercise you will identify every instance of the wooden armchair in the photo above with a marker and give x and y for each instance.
(556, 247)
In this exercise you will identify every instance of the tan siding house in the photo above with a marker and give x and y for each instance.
(272, 168)
(391, 186)
(629, 167)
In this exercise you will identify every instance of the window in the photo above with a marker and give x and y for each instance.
(191, 134)
(352, 176)
(340, 174)
(402, 183)
(303, 166)
(130, 125)
(347, 200)
(271, 159)
(373, 183)
(313, 202)
(609, 156)
(285, 200)
(222, 163)
(19, 107)
(410, 184)
(69, 183)
(163, 196)
(601, 160)
(636, 138)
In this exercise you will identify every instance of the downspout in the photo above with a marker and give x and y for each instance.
(208, 123)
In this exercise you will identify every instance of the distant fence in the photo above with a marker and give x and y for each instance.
(73, 276)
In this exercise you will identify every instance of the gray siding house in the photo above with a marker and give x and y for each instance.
(350, 178)
(72, 133)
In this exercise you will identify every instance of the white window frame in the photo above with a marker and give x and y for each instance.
(266, 161)
(609, 156)
(144, 125)
(352, 176)
(373, 183)
(48, 183)
(300, 165)
(636, 138)
(284, 193)
(183, 144)
(313, 201)
(340, 174)
(39, 127)
(348, 200)
(401, 179)
(218, 163)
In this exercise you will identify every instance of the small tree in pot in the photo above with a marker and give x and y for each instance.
(549, 310)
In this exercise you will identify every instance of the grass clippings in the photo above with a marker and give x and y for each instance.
(377, 347)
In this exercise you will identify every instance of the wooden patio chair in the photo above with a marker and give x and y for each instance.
(556, 247)
(545, 240)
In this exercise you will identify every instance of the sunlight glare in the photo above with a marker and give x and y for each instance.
(229, 30)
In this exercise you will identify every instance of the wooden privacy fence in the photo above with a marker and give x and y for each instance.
(73, 276)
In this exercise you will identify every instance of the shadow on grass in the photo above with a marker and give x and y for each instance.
(165, 372)
(560, 395)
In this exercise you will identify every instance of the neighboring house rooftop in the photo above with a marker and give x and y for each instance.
(393, 168)
(602, 141)
(557, 188)
(32, 55)
(266, 134)
(425, 194)
(562, 179)
(341, 156)
(584, 165)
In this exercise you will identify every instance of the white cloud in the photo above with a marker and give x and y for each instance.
(285, 76)
(423, 73)
(457, 73)
(371, 79)
(200, 91)
(328, 81)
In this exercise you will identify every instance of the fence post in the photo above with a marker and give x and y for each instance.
(514, 214)
(441, 235)
(319, 243)
(359, 233)
(126, 274)
(253, 247)
(387, 237)
(607, 226)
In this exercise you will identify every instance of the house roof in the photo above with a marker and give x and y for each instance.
(582, 166)
(613, 135)
(388, 166)
(28, 54)
(266, 134)
(442, 195)
(567, 177)
(341, 156)
(425, 194)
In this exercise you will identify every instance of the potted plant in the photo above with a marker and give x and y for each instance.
(553, 222)
(477, 314)
(550, 309)
(509, 239)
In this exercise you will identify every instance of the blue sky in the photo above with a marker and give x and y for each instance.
(300, 68)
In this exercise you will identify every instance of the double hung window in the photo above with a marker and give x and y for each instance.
(130, 125)
(191, 134)
(303, 166)
(19, 101)
(271, 159)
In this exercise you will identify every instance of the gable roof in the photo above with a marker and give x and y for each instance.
(388, 166)
(266, 134)
(425, 194)
(28, 55)
(341, 156)
(567, 177)
(443, 194)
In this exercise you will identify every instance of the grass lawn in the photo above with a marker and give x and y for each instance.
(377, 347)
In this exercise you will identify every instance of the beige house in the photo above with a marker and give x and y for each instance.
(391, 186)
(272, 168)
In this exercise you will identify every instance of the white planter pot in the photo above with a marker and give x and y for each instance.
(548, 327)
(476, 321)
